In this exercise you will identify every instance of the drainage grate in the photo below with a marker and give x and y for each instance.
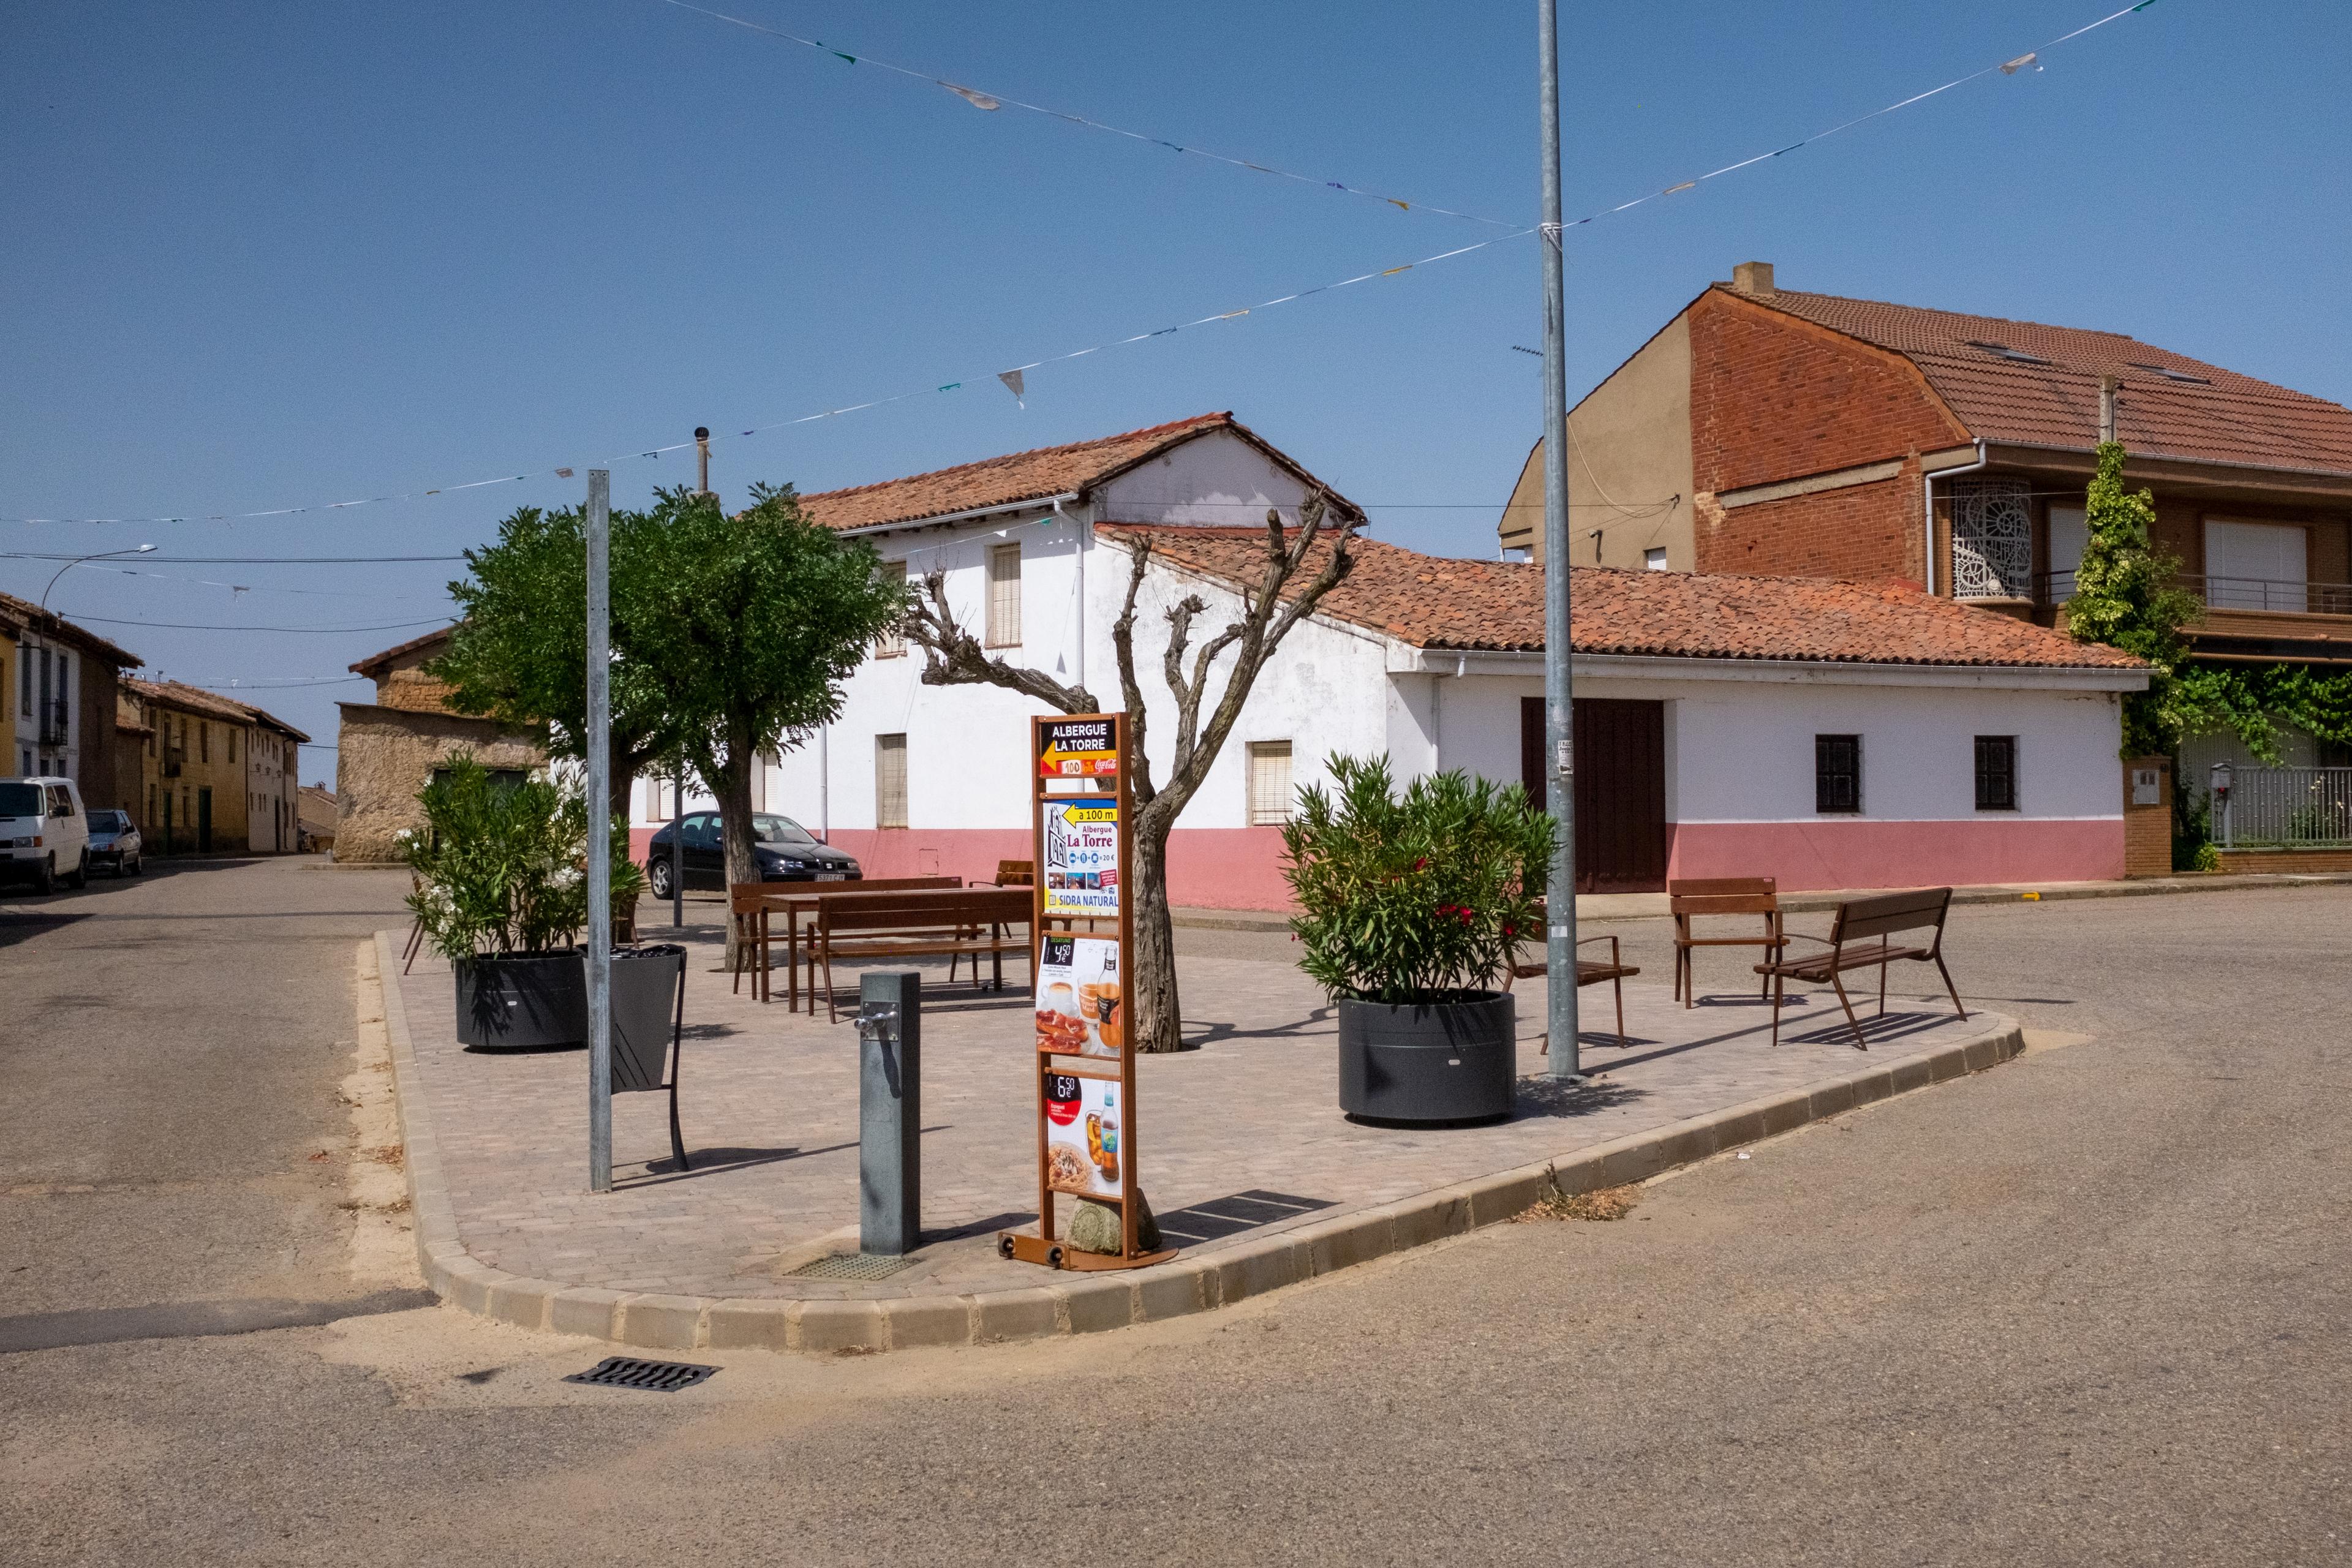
(628, 1372)
(852, 1266)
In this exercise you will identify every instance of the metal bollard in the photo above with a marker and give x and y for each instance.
(889, 1111)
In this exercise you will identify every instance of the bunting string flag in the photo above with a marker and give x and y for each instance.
(1013, 378)
(978, 100)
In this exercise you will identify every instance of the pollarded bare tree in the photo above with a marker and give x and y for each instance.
(1289, 587)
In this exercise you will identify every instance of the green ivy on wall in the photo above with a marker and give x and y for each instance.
(2126, 597)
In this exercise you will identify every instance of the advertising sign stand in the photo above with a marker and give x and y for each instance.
(1088, 1139)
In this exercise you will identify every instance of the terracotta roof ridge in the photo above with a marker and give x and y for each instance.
(1940, 311)
(1146, 432)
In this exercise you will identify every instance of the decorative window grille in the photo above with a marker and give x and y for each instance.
(889, 781)
(1993, 539)
(1269, 784)
(892, 644)
(1005, 595)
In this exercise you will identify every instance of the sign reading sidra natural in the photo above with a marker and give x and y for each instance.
(1085, 1072)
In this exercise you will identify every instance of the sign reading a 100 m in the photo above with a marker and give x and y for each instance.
(1077, 748)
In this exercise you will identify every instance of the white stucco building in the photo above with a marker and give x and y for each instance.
(1830, 734)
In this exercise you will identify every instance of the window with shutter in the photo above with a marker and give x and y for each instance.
(1005, 595)
(891, 644)
(1996, 772)
(889, 781)
(1837, 775)
(1269, 784)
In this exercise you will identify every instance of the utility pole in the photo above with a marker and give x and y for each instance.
(600, 832)
(1559, 701)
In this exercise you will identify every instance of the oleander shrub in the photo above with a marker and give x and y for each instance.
(1414, 897)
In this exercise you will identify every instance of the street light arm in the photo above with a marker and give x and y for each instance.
(101, 555)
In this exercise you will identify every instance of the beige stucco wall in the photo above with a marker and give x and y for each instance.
(386, 755)
(1630, 452)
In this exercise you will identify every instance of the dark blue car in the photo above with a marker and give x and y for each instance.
(786, 851)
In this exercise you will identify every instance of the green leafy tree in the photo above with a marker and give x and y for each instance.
(520, 652)
(747, 624)
(2127, 595)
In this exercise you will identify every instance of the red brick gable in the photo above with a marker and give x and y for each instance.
(1442, 602)
(1773, 397)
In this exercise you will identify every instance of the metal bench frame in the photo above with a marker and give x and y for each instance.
(1860, 919)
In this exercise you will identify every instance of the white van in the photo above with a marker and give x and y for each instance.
(44, 832)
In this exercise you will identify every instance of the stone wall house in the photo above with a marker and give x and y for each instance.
(387, 749)
(318, 812)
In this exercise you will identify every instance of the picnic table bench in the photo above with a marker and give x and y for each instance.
(752, 903)
(1858, 939)
(916, 923)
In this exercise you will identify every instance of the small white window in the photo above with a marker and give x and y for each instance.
(1654, 558)
(892, 643)
(889, 781)
(1269, 784)
(1005, 595)
(2256, 565)
(2070, 531)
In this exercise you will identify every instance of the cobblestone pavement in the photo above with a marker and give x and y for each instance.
(770, 1111)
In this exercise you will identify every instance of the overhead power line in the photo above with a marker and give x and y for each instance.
(1013, 377)
(184, 627)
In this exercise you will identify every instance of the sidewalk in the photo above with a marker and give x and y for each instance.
(1647, 906)
(1255, 1175)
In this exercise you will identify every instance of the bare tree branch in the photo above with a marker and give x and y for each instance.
(1122, 636)
(953, 656)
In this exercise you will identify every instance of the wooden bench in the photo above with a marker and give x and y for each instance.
(1690, 897)
(1012, 874)
(918, 924)
(1588, 972)
(749, 905)
(1858, 940)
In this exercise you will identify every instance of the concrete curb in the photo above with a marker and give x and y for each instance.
(1086, 1303)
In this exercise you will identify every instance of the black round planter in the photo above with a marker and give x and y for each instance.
(538, 1001)
(522, 1001)
(1428, 1062)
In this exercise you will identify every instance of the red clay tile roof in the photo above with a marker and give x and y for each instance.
(193, 698)
(1020, 476)
(2230, 418)
(1438, 602)
(48, 622)
(374, 664)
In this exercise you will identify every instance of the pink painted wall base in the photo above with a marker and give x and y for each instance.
(1863, 854)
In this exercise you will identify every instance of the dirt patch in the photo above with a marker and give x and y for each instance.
(1601, 1204)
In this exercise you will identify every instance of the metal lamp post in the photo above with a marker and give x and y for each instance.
(1559, 702)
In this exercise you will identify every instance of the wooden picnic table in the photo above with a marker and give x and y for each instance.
(798, 899)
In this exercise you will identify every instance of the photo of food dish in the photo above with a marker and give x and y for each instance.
(1068, 1170)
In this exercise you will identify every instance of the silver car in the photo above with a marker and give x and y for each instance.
(115, 844)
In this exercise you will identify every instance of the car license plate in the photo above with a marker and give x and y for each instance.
(833, 875)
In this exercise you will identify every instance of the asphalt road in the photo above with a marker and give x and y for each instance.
(2090, 1306)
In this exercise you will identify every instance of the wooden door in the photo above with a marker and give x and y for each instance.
(204, 821)
(1621, 790)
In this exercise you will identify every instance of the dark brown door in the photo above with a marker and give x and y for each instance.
(1621, 790)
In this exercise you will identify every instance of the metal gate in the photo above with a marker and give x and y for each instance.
(1621, 790)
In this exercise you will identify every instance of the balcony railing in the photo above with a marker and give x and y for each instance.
(55, 722)
(2219, 592)
(2283, 808)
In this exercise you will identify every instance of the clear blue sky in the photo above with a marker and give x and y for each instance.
(268, 256)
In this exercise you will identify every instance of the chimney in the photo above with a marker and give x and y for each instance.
(1752, 278)
(2106, 409)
